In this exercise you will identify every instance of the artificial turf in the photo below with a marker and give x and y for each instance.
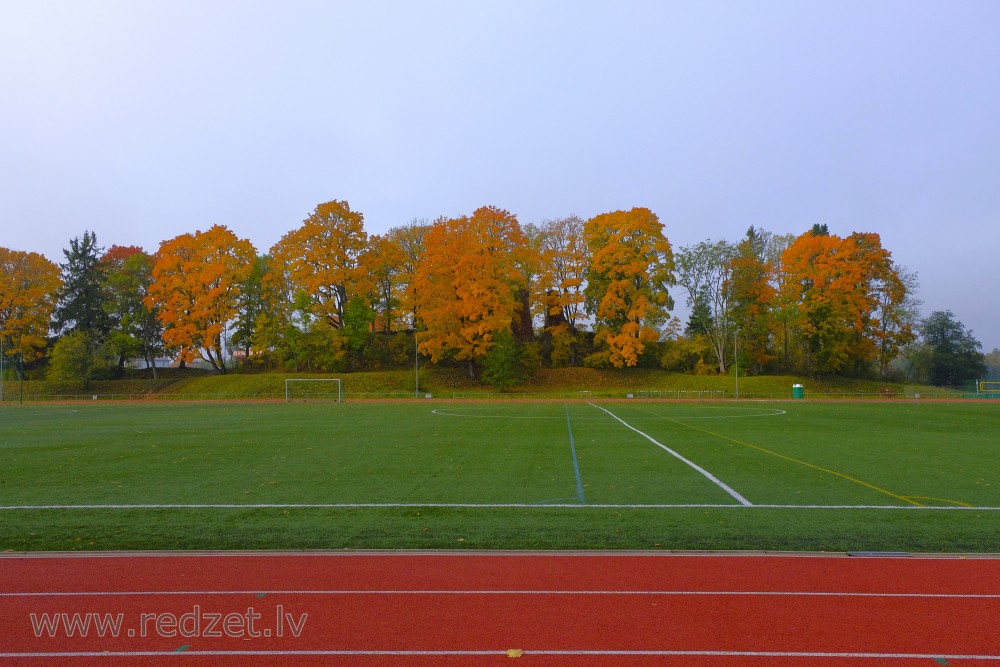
(828, 476)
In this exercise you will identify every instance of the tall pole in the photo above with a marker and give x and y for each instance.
(736, 362)
(1, 369)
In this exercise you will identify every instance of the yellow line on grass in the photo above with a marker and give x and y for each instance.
(800, 462)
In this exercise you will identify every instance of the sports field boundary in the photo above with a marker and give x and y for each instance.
(589, 506)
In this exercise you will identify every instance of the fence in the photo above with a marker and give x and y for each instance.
(643, 394)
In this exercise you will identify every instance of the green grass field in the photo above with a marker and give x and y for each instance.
(430, 474)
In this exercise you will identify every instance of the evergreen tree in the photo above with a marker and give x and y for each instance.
(81, 299)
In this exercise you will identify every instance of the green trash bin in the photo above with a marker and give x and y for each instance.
(798, 391)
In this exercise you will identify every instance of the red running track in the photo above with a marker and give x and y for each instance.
(498, 608)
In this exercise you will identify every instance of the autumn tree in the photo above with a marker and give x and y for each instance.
(197, 281)
(532, 285)
(835, 287)
(631, 267)
(321, 260)
(29, 287)
(385, 263)
(410, 240)
(754, 290)
(468, 284)
(565, 260)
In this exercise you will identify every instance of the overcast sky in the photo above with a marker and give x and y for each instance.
(144, 120)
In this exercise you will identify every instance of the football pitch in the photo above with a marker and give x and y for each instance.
(427, 474)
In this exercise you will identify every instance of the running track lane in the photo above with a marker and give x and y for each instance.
(503, 609)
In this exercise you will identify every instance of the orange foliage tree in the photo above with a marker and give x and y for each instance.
(753, 296)
(631, 267)
(29, 286)
(468, 284)
(839, 290)
(196, 285)
(319, 263)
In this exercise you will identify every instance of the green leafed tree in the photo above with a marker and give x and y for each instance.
(137, 333)
(78, 357)
(502, 368)
(251, 304)
(954, 354)
(704, 270)
(81, 299)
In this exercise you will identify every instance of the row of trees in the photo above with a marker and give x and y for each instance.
(480, 291)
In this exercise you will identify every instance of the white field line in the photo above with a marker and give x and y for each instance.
(527, 593)
(715, 480)
(258, 506)
(452, 412)
(511, 653)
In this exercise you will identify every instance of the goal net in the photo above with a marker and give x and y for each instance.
(990, 387)
(313, 389)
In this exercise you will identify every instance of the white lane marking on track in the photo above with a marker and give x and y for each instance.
(557, 593)
(506, 652)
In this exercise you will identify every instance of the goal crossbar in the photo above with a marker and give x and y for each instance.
(309, 388)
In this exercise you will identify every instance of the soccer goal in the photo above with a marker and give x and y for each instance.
(313, 389)
(989, 387)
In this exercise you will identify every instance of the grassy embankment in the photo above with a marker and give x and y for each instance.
(446, 382)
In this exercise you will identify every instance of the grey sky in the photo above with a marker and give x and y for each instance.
(144, 120)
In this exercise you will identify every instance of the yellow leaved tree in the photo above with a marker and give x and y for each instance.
(565, 260)
(631, 266)
(29, 286)
(846, 296)
(468, 286)
(318, 264)
(196, 285)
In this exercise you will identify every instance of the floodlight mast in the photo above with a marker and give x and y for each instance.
(736, 363)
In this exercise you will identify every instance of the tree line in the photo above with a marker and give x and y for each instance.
(484, 292)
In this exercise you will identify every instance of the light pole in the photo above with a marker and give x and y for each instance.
(736, 362)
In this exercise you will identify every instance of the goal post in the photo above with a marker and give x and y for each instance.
(314, 389)
(989, 387)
